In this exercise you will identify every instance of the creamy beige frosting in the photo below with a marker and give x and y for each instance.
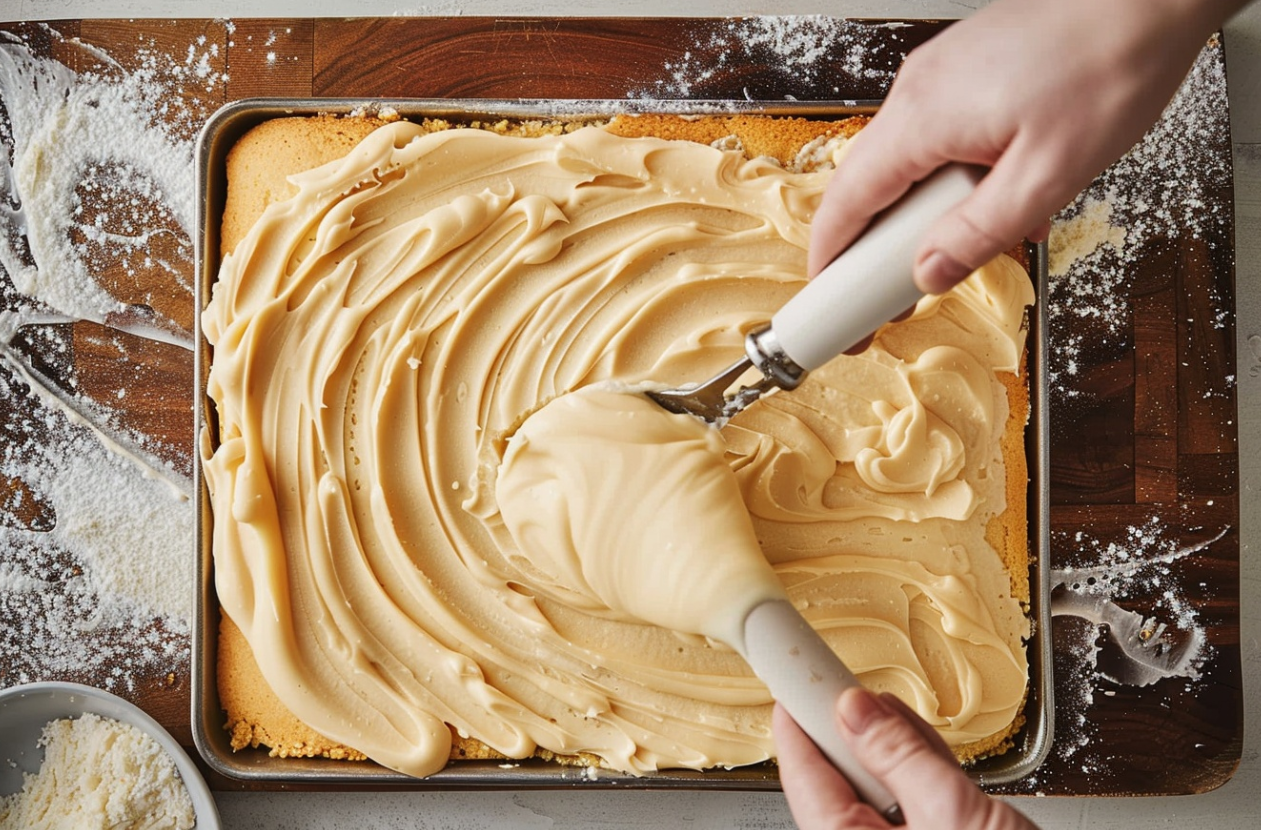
(378, 337)
(621, 508)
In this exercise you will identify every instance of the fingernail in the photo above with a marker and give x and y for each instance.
(939, 272)
(860, 709)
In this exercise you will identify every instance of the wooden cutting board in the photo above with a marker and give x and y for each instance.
(1143, 452)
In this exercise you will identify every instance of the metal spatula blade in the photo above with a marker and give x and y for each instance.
(869, 284)
(707, 401)
(715, 401)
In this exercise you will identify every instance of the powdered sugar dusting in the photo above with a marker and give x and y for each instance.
(276, 46)
(799, 47)
(97, 176)
(1087, 234)
(104, 594)
(448, 9)
(1096, 655)
(1126, 615)
(1140, 563)
(1162, 191)
(96, 524)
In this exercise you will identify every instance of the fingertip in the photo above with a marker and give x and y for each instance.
(1010, 203)
(782, 724)
(877, 727)
(1040, 234)
(794, 747)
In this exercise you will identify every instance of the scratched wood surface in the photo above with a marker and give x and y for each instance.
(1148, 431)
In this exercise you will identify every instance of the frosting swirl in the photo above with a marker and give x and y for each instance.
(632, 508)
(378, 336)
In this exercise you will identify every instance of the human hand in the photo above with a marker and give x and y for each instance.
(904, 753)
(1045, 94)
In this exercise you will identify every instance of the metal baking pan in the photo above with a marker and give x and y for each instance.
(231, 122)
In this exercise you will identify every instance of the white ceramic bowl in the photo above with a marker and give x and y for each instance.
(25, 709)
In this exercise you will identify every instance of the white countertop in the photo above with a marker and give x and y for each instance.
(1237, 804)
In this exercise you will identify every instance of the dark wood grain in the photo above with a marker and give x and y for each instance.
(144, 384)
(487, 58)
(1176, 735)
(1155, 399)
(51, 39)
(1100, 426)
(271, 58)
(580, 58)
(1147, 431)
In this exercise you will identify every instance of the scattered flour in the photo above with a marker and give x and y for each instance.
(1075, 238)
(98, 772)
(273, 46)
(96, 169)
(1165, 192)
(449, 9)
(1141, 568)
(76, 138)
(800, 47)
(1140, 565)
(1166, 188)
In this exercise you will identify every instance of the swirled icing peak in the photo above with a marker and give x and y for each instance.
(608, 495)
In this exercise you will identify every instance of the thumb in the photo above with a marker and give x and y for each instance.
(918, 769)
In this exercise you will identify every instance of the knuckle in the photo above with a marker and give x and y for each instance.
(894, 746)
(856, 816)
(919, 68)
(981, 238)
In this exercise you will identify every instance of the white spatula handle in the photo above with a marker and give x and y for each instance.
(870, 282)
(806, 677)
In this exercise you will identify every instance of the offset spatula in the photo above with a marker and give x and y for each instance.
(869, 284)
(866, 286)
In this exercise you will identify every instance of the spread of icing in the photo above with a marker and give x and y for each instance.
(615, 504)
(379, 337)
